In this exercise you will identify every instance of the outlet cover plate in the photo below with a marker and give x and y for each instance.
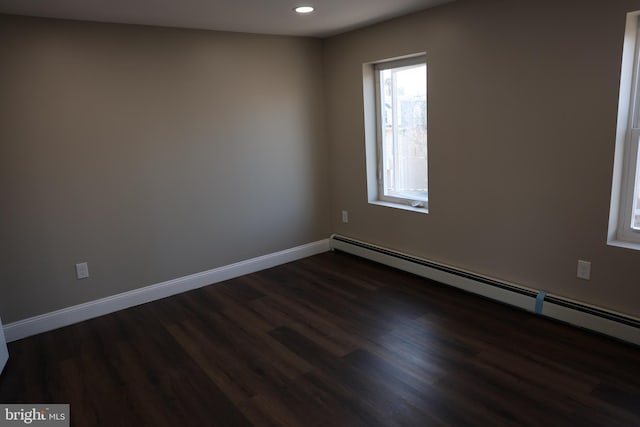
(82, 270)
(584, 270)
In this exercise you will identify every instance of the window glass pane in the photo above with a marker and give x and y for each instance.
(404, 131)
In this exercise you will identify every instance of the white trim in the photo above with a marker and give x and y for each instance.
(521, 297)
(406, 207)
(78, 313)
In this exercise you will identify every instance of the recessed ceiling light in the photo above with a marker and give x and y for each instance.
(304, 9)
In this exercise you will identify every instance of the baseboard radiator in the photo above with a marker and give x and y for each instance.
(617, 325)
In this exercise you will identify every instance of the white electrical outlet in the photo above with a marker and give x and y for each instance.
(345, 216)
(82, 270)
(584, 270)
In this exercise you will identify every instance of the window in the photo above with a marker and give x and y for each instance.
(624, 219)
(400, 120)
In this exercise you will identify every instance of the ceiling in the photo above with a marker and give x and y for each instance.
(254, 16)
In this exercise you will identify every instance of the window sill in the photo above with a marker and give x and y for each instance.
(400, 206)
(624, 244)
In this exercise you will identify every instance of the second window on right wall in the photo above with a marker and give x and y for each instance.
(633, 135)
(624, 220)
(401, 131)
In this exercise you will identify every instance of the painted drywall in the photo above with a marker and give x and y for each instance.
(522, 105)
(151, 154)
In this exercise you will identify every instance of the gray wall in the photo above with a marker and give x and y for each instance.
(155, 153)
(522, 119)
(152, 154)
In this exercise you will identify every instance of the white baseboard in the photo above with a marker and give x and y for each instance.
(607, 322)
(597, 323)
(78, 313)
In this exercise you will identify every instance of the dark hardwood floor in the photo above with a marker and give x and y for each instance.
(330, 340)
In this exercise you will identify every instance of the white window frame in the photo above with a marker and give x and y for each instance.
(626, 162)
(4, 353)
(374, 133)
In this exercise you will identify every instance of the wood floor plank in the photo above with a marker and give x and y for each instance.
(327, 340)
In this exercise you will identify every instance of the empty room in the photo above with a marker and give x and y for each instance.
(320, 213)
